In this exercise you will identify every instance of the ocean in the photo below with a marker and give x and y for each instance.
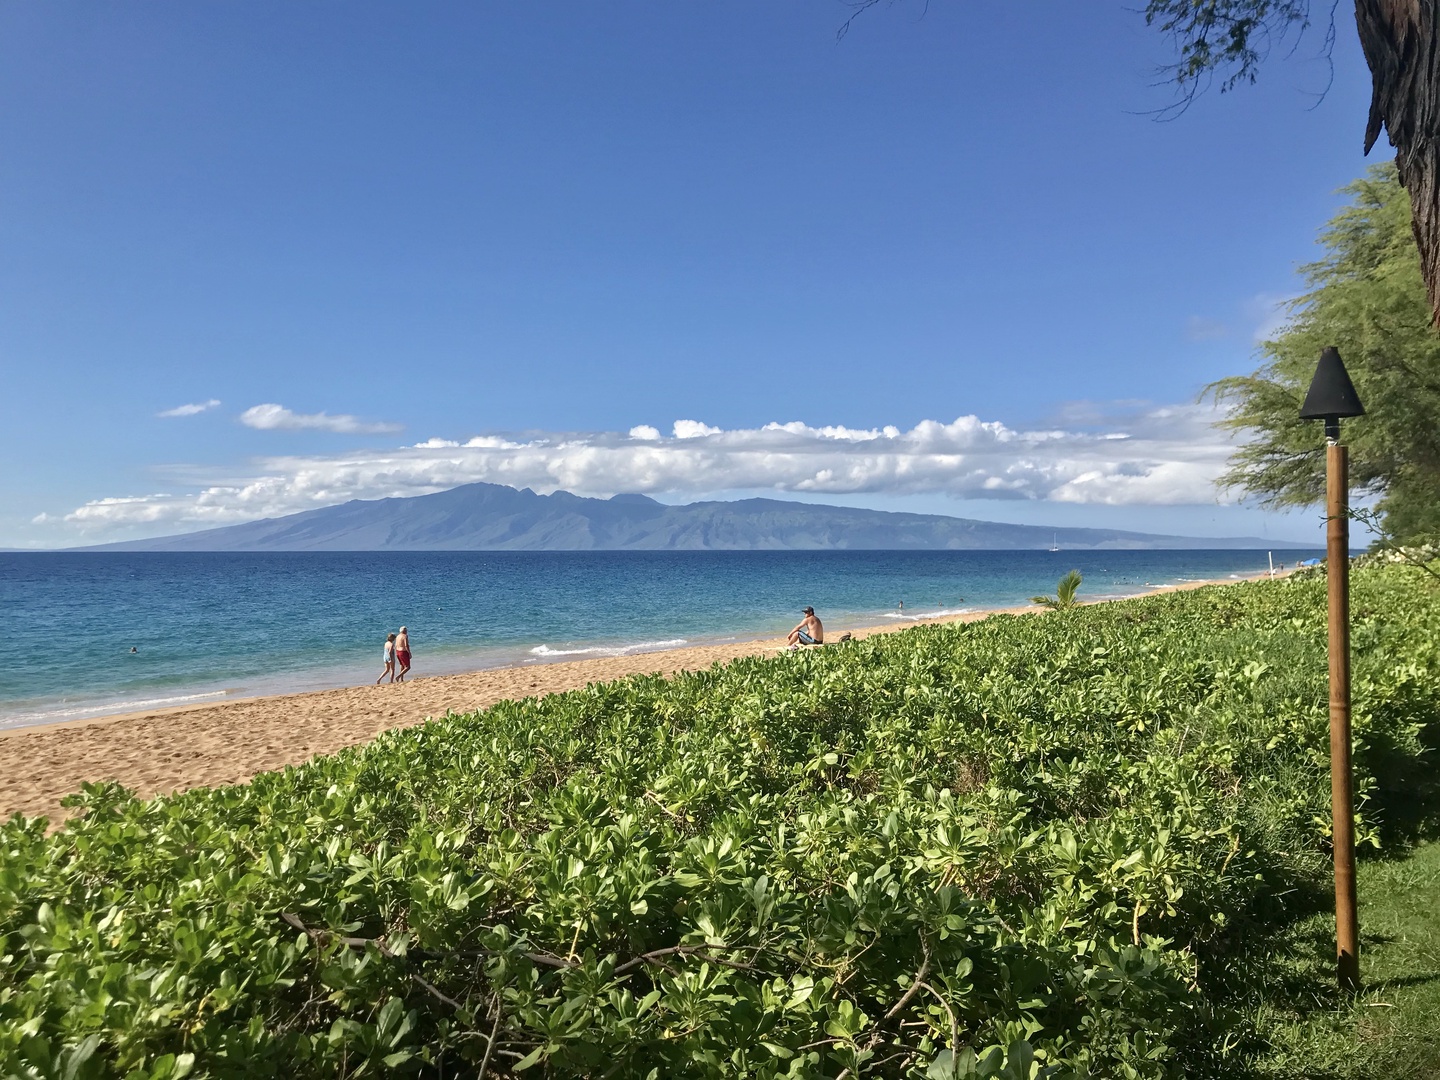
(93, 634)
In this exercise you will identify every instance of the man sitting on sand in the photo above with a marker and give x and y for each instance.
(809, 632)
(402, 653)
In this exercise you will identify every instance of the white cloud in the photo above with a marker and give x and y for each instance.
(1257, 319)
(645, 433)
(1199, 328)
(1269, 314)
(190, 410)
(272, 417)
(1166, 456)
(493, 442)
(692, 429)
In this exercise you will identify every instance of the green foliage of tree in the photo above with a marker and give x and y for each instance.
(1401, 43)
(1229, 40)
(1227, 36)
(1064, 593)
(1366, 297)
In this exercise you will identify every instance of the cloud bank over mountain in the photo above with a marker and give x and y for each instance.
(493, 517)
(1136, 455)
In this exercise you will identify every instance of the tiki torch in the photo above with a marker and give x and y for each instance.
(1331, 397)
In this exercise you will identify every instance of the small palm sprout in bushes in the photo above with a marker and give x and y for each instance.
(1065, 591)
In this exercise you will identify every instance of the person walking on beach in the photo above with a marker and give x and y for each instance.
(809, 632)
(389, 660)
(402, 653)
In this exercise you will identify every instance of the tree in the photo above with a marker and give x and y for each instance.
(1366, 297)
(1401, 42)
(1064, 596)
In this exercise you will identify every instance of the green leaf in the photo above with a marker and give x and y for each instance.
(530, 1059)
(78, 1055)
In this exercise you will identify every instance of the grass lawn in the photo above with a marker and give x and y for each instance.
(1392, 1029)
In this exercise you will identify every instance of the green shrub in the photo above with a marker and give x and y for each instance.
(1025, 846)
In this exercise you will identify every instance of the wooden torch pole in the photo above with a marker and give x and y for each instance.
(1342, 803)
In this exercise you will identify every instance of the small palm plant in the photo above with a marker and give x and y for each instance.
(1064, 593)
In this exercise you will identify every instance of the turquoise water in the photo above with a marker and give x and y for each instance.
(206, 626)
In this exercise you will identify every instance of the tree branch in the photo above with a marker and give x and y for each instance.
(325, 936)
(490, 1046)
(655, 955)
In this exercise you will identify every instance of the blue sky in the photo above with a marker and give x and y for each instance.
(563, 227)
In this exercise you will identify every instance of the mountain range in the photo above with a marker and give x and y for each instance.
(492, 517)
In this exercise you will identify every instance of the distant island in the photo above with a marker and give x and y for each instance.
(492, 517)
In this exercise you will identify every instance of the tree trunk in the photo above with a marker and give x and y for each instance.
(1401, 39)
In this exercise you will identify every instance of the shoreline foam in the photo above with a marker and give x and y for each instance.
(212, 743)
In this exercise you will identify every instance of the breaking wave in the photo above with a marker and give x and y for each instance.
(609, 650)
(76, 711)
(937, 614)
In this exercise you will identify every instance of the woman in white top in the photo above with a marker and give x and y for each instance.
(389, 661)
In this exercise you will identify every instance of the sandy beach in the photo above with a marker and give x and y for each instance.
(229, 742)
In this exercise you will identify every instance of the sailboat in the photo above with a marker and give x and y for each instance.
(1054, 541)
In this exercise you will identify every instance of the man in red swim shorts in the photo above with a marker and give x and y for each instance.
(402, 653)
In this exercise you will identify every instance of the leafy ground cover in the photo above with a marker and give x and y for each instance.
(1085, 843)
(1392, 1028)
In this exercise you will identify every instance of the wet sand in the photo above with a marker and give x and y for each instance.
(228, 742)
